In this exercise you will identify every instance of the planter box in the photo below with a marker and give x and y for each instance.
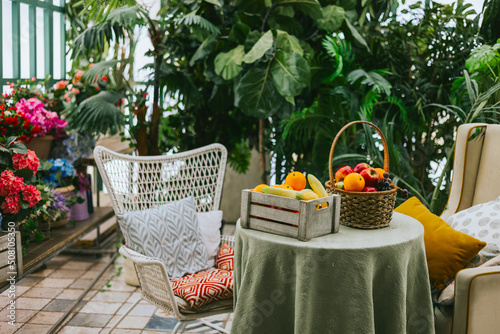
(10, 243)
(289, 217)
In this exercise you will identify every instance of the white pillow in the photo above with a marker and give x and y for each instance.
(480, 221)
(210, 223)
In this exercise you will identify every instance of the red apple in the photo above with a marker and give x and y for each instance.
(361, 166)
(342, 172)
(370, 190)
(370, 175)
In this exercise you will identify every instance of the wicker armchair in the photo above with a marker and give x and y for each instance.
(138, 183)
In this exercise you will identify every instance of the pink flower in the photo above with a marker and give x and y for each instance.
(11, 204)
(48, 121)
(61, 84)
(29, 161)
(10, 185)
(31, 195)
(33, 78)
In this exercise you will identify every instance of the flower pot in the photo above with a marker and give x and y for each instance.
(58, 223)
(41, 146)
(67, 192)
(80, 211)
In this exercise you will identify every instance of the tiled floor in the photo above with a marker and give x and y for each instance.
(44, 295)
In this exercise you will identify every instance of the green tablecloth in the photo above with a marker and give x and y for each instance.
(355, 281)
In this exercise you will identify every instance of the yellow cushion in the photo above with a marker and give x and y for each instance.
(447, 250)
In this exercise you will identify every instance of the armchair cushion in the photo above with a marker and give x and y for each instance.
(169, 232)
(447, 250)
(225, 258)
(204, 287)
(210, 223)
(481, 221)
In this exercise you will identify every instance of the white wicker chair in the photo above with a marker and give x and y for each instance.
(137, 183)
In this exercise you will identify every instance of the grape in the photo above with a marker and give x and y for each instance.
(404, 193)
(386, 175)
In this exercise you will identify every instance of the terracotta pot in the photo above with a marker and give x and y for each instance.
(41, 146)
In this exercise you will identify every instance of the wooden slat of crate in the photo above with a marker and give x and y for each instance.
(271, 200)
(272, 227)
(5, 269)
(287, 217)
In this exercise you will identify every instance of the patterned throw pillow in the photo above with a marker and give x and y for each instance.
(204, 287)
(225, 258)
(480, 221)
(170, 233)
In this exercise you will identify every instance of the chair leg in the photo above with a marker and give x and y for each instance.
(209, 324)
(177, 326)
(124, 315)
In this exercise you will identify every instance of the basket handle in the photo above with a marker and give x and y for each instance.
(386, 150)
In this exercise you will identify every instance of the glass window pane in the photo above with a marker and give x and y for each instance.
(57, 2)
(56, 38)
(40, 45)
(7, 39)
(25, 41)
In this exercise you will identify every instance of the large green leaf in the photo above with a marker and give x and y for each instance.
(309, 7)
(355, 34)
(333, 17)
(228, 64)
(264, 43)
(483, 58)
(290, 73)
(204, 49)
(256, 95)
(239, 32)
(288, 43)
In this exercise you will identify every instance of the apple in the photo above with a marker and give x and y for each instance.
(370, 175)
(342, 172)
(361, 166)
(370, 190)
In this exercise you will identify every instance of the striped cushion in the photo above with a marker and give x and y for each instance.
(204, 287)
(225, 258)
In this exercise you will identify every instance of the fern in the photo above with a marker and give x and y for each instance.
(196, 20)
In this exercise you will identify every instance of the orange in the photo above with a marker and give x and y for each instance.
(284, 186)
(260, 187)
(354, 182)
(296, 180)
(381, 172)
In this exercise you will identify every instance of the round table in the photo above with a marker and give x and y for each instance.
(354, 281)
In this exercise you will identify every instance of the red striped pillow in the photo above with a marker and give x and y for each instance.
(204, 287)
(225, 258)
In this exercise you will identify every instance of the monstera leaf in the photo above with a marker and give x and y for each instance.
(290, 72)
(309, 7)
(255, 93)
(228, 64)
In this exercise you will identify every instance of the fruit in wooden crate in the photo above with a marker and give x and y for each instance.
(359, 167)
(370, 175)
(342, 172)
(296, 180)
(283, 186)
(260, 187)
(353, 182)
(283, 192)
(308, 194)
(316, 186)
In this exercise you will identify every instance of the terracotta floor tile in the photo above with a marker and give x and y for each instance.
(112, 296)
(125, 331)
(42, 273)
(5, 328)
(121, 286)
(79, 330)
(70, 294)
(20, 290)
(124, 308)
(32, 328)
(22, 316)
(77, 265)
(90, 295)
(25, 303)
(60, 305)
(132, 322)
(4, 301)
(37, 292)
(29, 281)
(46, 318)
(143, 310)
(133, 298)
(64, 273)
(90, 320)
(100, 308)
(81, 284)
(57, 283)
(91, 274)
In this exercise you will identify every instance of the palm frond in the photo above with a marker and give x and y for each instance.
(98, 114)
(372, 78)
(102, 68)
(197, 20)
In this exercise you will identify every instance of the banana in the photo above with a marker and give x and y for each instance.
(283, 192)
(308, 194)
(316, 186)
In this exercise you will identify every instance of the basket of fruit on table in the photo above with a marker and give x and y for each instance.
(367, 194)
(290, 209)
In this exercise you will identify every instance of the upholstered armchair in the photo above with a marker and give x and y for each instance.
(476, 180)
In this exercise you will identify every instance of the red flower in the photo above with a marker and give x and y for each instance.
(104, 78)
(10, 184)
(26, 161)
(11, 204)
(31, 195)
(35, 129)
(22, 138)
(13, 121)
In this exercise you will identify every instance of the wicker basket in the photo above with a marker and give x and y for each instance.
(358, 209)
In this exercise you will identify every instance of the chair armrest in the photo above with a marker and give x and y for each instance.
(154, 280)
(477, 298)
(228, 239)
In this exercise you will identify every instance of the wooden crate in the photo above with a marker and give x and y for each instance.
(289, 217)
(6, 270)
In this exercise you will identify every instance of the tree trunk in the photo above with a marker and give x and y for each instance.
(141, 134)
(155, 119)
(261, 152)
